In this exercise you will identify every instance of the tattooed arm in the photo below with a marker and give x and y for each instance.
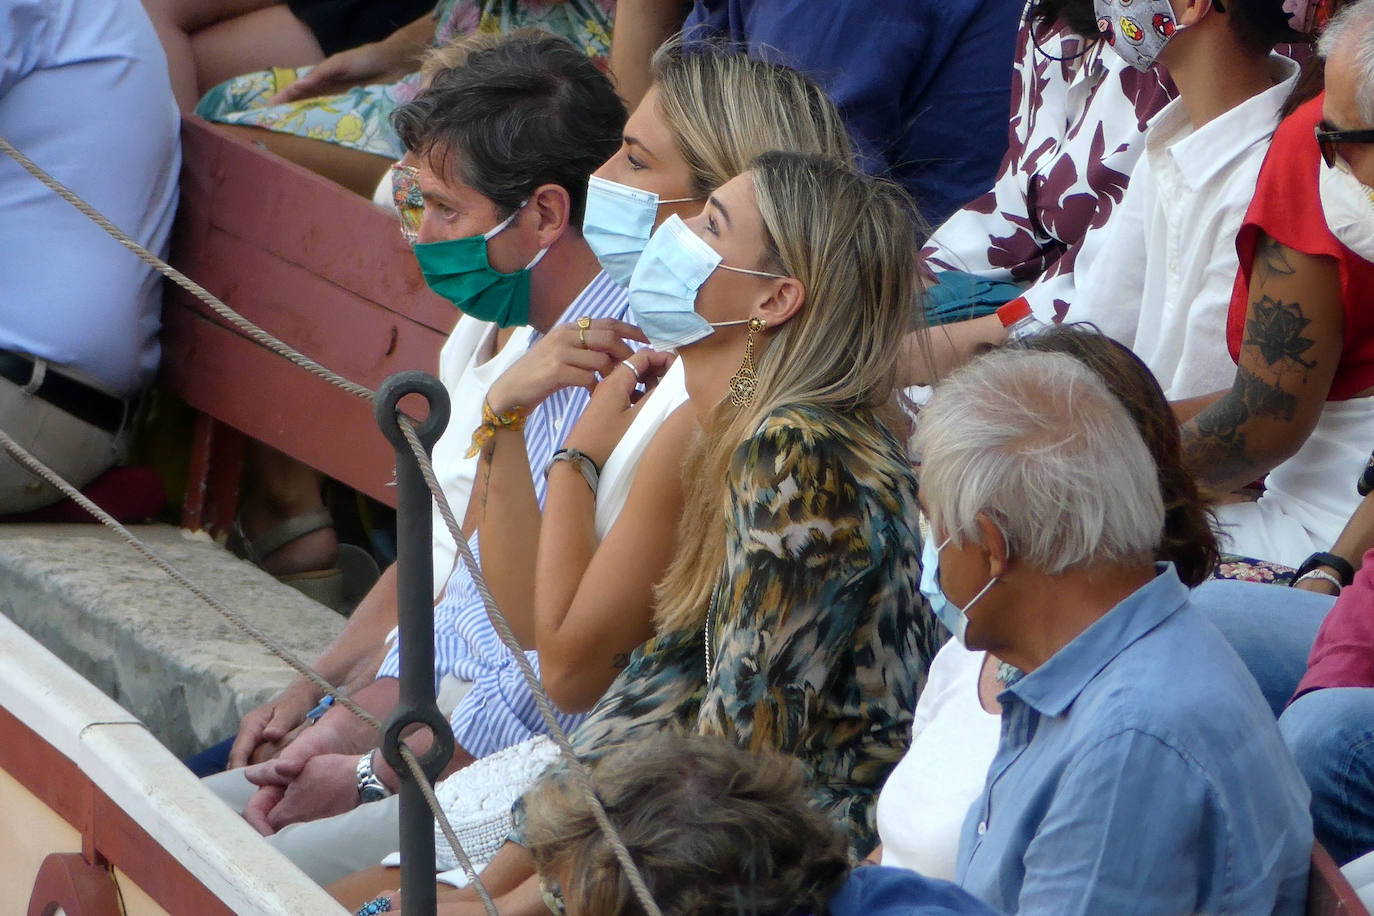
(1288, 357)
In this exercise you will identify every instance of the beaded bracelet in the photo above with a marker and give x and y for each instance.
(375, 906)
(513, 420)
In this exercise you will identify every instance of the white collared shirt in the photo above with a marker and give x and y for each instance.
(1162, 281)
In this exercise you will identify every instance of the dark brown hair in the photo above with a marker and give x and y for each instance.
(1190, 539)
(1076, 14)
(713, 828)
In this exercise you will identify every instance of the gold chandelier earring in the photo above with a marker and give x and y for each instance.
(745, 382)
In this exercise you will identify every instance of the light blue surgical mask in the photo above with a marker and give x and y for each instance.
(663, 288)
(954, 618)
(618, 222)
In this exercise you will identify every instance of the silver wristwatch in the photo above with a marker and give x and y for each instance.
(370, 788)
(580, 460)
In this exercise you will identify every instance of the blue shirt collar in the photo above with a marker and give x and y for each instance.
(1052, 688)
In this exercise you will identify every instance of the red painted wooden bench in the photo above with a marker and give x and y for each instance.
(319, 267)
(1328, 893)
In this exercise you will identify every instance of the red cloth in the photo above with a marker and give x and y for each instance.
(1343, 655)
(130, 494)
(1287, 207)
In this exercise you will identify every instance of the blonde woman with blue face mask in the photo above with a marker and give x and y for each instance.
(707, 115)
(782, 560)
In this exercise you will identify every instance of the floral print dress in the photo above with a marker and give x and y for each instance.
(821, 639)
(360, 118)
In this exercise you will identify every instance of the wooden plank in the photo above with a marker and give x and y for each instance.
(1328, 892)
(256, 392)
(318, 267)
(108, 833)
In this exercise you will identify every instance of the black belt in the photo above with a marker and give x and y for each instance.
(92, 405)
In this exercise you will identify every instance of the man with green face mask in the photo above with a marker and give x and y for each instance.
(503, 146)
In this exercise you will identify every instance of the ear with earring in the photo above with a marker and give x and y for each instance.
(745, 381)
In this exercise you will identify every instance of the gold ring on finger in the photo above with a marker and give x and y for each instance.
(583, 325)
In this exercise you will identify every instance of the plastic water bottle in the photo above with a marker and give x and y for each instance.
(1017, 318)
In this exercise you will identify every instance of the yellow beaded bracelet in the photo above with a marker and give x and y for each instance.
(513, 420)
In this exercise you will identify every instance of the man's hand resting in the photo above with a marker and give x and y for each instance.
(267, 726)
(292, 791)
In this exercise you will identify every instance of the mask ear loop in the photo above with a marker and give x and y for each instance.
(754, 273)
(505, 224)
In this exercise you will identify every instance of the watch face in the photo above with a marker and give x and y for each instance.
(372, 794)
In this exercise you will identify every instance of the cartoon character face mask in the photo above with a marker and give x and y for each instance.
(1136, 29)
(410, 203)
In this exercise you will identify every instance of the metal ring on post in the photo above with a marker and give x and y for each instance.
(387, 406)
(415, 625)
(434, 759)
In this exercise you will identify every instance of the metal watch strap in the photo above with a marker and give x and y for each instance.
(1344, 571)
(370, 787)
(580, 460)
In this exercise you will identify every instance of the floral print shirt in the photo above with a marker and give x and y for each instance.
(360, 118)
(1076, 132)
(821, 639)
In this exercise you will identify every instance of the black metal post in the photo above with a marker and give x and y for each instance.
(415, 609)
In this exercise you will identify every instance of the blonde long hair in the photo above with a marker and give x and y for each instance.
(851, 241)
(724, 108)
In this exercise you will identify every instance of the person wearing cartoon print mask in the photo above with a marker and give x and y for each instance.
(1300, 328)
(1139, 768)
(1162, 281)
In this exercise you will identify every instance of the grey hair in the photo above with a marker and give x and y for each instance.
(1038, 444)
(1352, 29)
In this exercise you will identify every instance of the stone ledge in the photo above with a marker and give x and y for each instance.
(148, 643)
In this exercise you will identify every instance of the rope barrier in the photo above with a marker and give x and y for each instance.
(34, 466)
(581, 774)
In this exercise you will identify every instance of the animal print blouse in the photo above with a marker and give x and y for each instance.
(821, 639)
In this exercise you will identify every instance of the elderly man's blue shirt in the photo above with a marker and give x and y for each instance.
(1140, 771)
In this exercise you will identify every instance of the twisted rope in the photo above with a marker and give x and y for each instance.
(582, 776)
(33, 465)
(251, 330)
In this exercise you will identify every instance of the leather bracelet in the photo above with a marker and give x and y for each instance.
(1344, 571)
(580, 460)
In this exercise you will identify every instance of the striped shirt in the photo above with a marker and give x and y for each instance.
(498, 711)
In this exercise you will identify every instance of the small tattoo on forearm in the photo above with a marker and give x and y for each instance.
(1271, 260)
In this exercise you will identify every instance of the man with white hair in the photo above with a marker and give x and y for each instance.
(1139, 768)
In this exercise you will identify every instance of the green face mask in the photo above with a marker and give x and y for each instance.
(459, 271)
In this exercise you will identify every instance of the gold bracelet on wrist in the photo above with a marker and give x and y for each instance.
(513, 420)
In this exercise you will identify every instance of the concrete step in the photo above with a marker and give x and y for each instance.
(147, 642)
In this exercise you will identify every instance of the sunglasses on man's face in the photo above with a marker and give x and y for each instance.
(1328, 139)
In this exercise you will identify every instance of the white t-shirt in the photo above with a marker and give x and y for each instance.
(922, 807)
(1162, 281)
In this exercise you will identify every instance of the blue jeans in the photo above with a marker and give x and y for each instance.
(1271, 627)
(1331, 735)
